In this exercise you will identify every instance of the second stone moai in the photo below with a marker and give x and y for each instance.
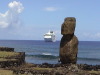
(69, 42)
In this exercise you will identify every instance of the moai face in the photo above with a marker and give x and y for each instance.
(68, 27)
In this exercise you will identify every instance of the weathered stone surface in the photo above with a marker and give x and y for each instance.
(68, 27)
(69, 42)
(6, 49)
(9, 59)
(68, 49)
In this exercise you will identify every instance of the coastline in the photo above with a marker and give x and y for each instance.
(51, 69)
(13, 63)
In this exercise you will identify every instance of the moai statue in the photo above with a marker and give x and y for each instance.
(69, 42)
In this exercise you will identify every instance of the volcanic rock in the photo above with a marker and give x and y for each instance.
(69, 42)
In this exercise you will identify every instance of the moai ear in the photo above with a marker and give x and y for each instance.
(68, 27)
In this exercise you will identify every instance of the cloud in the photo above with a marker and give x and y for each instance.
(16, 7)
(11, 16)
(92, 35)
(50, 9)
(97, 35)
(89, 36)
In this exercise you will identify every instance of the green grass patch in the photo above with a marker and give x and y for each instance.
(6, 72)
(37, 68)
(94, 72)
(4, 54)
(3, 59)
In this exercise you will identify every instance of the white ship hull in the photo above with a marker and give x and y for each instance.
(49, 37)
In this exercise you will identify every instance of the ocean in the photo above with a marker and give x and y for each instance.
(39, 51)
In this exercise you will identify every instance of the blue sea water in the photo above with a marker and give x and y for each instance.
(39, 51)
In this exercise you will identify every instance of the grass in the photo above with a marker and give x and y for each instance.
(94, 72)
(4, 54)
(37, 68)
(6, 72)
(9, 72)
(3, 59)
(8, 56)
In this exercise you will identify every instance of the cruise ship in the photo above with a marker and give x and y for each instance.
(50, 37)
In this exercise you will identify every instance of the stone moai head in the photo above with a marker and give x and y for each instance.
(68, 27)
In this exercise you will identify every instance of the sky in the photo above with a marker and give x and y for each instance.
(31, 19)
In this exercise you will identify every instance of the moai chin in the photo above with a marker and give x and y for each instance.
(69, 42)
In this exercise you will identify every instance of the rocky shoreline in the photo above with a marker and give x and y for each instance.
(54, 69)
(13, 63)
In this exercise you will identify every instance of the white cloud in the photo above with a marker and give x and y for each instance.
(97, 35)
(50, 9)
(92, 35)
(16, 7)
(11, 16)
(89, 36)
(3, 24)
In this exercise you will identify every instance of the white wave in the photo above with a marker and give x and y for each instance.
(46, 53)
